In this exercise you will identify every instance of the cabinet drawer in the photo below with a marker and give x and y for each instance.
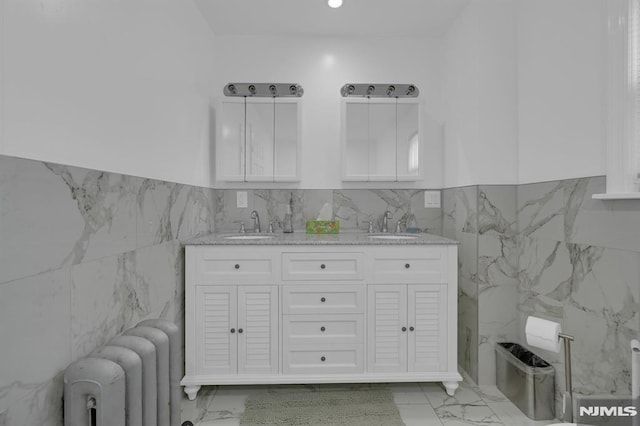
(401, 266)
(330, 360)
(322, 329)
(229, 268)
(322, 266)
(323, 299)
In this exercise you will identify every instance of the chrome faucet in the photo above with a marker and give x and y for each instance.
(256, 221)
(385, 218)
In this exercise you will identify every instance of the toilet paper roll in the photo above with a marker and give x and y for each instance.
(543, 334)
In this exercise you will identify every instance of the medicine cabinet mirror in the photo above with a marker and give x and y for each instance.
(258, 140)
(381, 139)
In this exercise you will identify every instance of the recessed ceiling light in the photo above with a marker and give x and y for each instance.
(334, 3)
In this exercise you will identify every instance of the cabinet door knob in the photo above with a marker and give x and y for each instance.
(240, 330)
(323, 299)
(323, 266)
(404, 328)
(237, 266)
(411, 328)
(323, 359)
(233, 330)
(406, 265)
(322, 329)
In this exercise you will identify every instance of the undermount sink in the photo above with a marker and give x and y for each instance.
(248, 237)
(393, 237)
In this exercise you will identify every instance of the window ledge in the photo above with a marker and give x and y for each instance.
(617, 196)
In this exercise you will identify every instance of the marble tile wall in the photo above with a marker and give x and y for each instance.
(459, 222)
(497, 274)
(483, 220)
(84, 255)
(579, 265)
(354, 207)
(549, 250)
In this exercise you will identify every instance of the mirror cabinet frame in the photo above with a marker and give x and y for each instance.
(233, 160)
(362, 173)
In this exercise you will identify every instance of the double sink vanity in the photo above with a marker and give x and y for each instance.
(301, 308)
(266, 308)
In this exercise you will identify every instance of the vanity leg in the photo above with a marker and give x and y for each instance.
(191, 391)
(450, 387)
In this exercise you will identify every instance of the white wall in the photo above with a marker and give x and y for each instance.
(117, 85)
(560, 89)
(480, 96)
(460, 99)
(524, 92)
(2, 15)
(126, 86)
(322, 65)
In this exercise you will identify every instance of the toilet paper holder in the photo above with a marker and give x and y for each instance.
(568, 401)
(541, 333)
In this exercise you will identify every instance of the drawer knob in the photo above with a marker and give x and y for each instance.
(322, 329)
(233, 330)
(323, 266)
(323, 359)
(404, 328)
(323, 299)
(237, 266)
(411, 328)
(406, 265)
(240, 330)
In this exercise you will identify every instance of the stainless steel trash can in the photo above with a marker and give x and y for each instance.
(527, 380)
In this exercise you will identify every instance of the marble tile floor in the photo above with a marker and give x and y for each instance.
(419, 404)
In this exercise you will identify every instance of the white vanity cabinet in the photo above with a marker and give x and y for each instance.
(232, 319)
(409, 303)
(323, 322)
(323, 329)
(239, 326)
(407, 328)
(320, 314)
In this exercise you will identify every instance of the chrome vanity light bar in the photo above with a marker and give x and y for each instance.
(264, 90)
(369, 90)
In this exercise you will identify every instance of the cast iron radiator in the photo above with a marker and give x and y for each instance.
(134, 380)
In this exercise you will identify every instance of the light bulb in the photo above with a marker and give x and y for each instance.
(334, 3)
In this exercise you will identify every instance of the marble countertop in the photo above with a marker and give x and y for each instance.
(301, 238)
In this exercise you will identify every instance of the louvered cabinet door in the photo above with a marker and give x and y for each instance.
(258, 329)
(427, 336)
(216, 341)
(387, 328)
